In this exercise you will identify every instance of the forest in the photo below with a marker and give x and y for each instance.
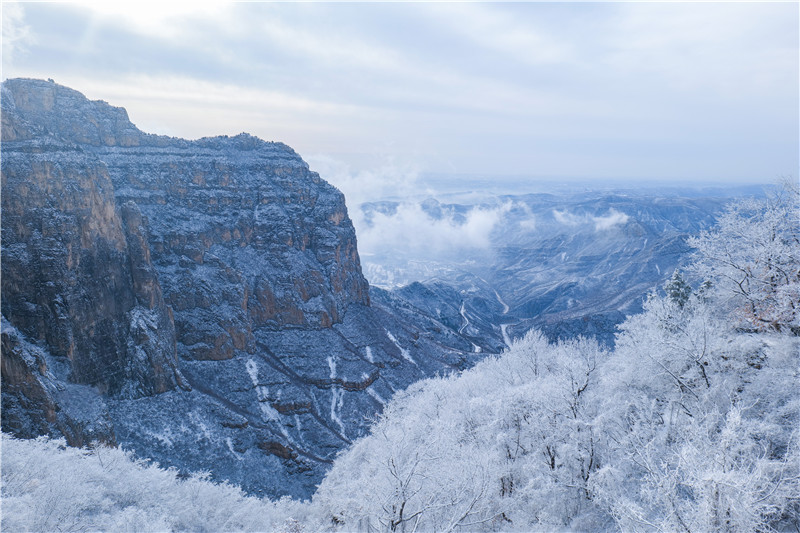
(689, 423)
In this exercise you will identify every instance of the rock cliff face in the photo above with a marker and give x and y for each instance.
(246, 236)
(67, 280)
(203, 298)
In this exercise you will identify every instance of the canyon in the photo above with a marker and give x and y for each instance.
(200, 303)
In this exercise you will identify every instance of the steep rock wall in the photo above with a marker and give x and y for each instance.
(229, 252)
(66, 266)
(244, 233)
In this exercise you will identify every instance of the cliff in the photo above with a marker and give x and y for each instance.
(206, 294)
(68, 270)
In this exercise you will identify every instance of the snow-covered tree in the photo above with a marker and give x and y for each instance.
(509, 444)
(677, 289)
(698, 422)
(752, 258)
(47, 486)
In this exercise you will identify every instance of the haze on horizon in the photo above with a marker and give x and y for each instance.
(370, 91)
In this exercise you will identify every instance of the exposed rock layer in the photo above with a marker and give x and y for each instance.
(121, 249)
(66, 265)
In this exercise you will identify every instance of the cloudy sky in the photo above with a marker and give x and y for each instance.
(682, 91)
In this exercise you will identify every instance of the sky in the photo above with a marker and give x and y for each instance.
(367, 92)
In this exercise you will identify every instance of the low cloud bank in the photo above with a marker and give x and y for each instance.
(383, 182)
(410, 229)
(601, 223)
(613, 218)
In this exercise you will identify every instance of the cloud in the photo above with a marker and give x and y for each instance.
(385, 181)
(601, 223)
(410, 229)
(413, 231)
(613, 218)
(628, 90)
(193, 107)
(528, 224)
(17, 35)
(506, 32)
(154, 18)
(566, 218)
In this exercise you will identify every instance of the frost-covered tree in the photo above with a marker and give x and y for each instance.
(47, 486)
(509, 444)
(421, 469)
(752, 258)
(689, 424)
(677, 289)
(698, 422)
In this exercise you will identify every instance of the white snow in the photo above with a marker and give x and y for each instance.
(165, 437)
(332, 366)
(506, 338)
(337, 398)
(252, 370)
(376, 396)
(229, 442)
(267, 411)
(405, 353)
(504, 304)
(463, 312)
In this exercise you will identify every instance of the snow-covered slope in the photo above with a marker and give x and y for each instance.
(569, 264)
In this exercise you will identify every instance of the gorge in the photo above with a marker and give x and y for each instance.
(198, 302)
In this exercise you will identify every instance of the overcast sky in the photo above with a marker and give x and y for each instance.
(678, 91)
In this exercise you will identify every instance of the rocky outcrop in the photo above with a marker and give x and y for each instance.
(246, 237)
(206, 295)
(36, 402)
(66, 266)
(249, 236)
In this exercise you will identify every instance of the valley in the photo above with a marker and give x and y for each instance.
(204, 305)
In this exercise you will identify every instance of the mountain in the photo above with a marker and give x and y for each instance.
(575, 263)
(198, 302)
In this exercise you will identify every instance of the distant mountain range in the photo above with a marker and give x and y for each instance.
(569, 264)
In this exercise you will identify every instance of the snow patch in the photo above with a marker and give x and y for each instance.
(506, 338)
(165, 437)
(376, 396)
(268, 412)
(337, 398)
(405, 353)
(229, 442)
(503, 303)
(195, 417)
(262, 392)
(463, 312)
(252, 370)
(332, 366)
(369, 356)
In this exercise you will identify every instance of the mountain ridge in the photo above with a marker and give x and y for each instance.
(238, 264)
